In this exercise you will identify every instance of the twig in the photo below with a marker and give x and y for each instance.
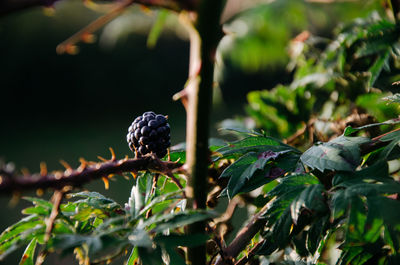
(375, 143)
(230, 210)
(244, 236)
(10, 6)
(82, 175)
(69, 43)
(56, 200)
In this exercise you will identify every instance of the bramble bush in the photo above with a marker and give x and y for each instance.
(327, 193)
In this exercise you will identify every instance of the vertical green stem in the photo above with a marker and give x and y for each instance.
(199, 92)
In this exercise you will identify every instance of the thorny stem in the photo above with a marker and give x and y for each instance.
(199, 95)
(88, 171)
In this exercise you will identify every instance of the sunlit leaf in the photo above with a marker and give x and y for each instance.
(28, 256)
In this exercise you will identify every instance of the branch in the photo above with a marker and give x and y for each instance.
(11, 6)
(85, 173)
(56, 200)
(375, 143)
(199, 96)
(244, 236)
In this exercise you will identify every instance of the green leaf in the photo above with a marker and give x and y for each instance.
(23, 225)
(341, 199)
(163, 198)
(291, 194)
(39, 202)
(316, 233)
(377, 67)
(28, 256)
(385, 208)
(254, 170)
(340, 154)
(292, 183)
(252, 144)
(39, 210)
(21, 234)
(310, 198)
(133, 256)
(374, 173)
(157, 28)
(353, 255)
(357, 220)
(175, 220)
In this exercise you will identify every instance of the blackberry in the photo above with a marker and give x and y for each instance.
(149, 133)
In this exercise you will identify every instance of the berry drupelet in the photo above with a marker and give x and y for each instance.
(149, 133)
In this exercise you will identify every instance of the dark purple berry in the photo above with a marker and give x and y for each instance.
(153, 135)
(153, 124)
(149, 133)
(137, 134)
(145, 130)
(142, 123)
(144, 140)
(161, 119)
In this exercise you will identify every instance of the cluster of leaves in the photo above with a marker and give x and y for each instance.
(333, 77)
(98, 229)
(333, 192)
(338, 192)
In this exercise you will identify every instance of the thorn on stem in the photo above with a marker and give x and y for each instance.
(106, 182)
(102, 159)
(43, 169)
(113, 157)
(66, 165)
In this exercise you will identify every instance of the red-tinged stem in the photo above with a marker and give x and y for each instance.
(9, 182)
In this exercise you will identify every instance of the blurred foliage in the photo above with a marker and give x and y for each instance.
(333, 78)
(256, 39)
